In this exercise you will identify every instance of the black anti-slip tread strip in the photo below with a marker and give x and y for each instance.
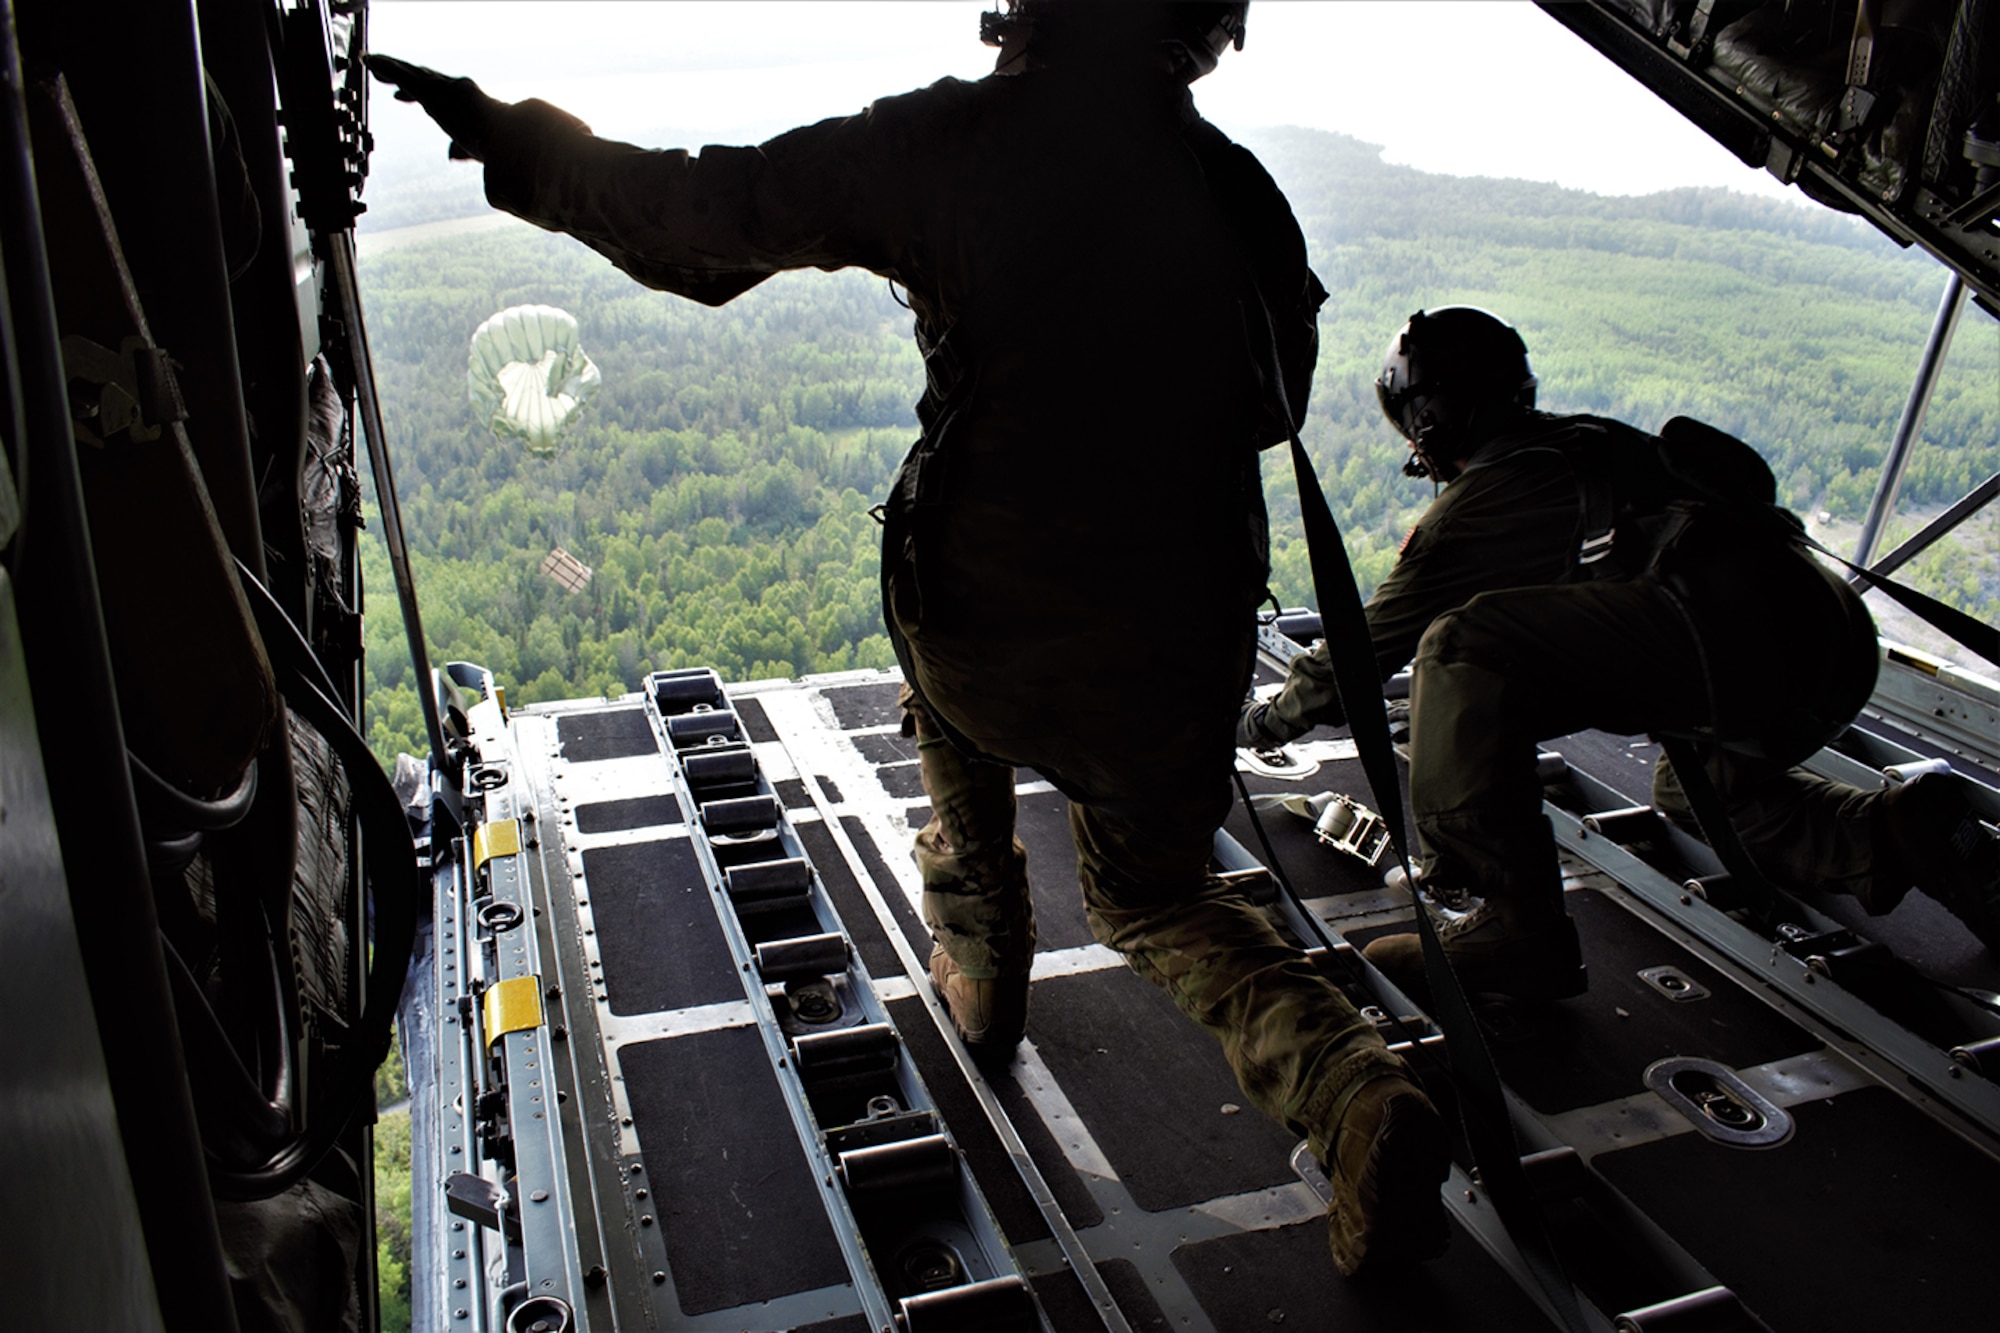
(857, 706)
(885, 883)
(1013, 1207)
(617, 733)
(737, 1205)
(886, 747)
(857, 917)
(1072, 1195)
(793, 793)
(1596, 1048)
(902, 781)
(656, 929)
(756, 722)
(1151, 1088)
(633, 812)
(1134, 1298)
(1065, 1303)
(1286, 1279)
(1043, 827)
(1869, 1217)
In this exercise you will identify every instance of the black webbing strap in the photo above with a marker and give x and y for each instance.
(1489, 1130)
(1980, 637)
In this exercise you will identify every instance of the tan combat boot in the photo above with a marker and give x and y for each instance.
(1388, 1157)
(991, 1013)
(1491, 949)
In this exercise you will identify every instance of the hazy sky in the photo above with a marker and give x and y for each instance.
(1464, 87)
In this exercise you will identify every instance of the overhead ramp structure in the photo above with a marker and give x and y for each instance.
(726, 1097)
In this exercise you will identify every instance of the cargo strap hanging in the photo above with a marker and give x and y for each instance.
(1488, 1128)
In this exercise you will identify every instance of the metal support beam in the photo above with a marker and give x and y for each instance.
(1974, 500)
(1950, 306)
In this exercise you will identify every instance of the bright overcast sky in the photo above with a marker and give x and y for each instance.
(1462, 87)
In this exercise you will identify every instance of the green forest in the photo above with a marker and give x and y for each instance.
(719, 483)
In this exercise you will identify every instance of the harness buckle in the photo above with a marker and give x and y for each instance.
(1595, 547)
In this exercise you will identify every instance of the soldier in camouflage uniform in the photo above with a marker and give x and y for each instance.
(1520, 635)
(1104, 287)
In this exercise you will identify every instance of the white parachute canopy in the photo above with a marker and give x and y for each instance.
(528, 375)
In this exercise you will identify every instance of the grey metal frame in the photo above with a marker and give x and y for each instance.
(992, 1250)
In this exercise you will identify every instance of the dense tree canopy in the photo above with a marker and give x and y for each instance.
(720, 482)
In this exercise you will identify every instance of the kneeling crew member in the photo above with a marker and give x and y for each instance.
(1577, 573)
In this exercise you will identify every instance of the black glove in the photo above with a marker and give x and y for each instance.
(457, 105)
(1257, 730)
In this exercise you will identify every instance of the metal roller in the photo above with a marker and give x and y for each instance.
(1550, 767)
(914, 1166)
(998, 1305)
(743, 814)
(1982, 1057)
(1915, 768)
(768, 882)
(1634, 823)
(802, 958)
(679, 691)
(1555, 1174)
(719, 767)
(1715, 1310)
(1719, 891)
(691, 729)
(845, 1052)
(1300, 626)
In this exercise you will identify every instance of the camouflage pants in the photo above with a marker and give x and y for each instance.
(1293, 1041)
(1803, 831)
(1515, 667)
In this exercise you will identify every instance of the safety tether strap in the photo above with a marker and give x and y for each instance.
(1489, 1129)
(1980, 637)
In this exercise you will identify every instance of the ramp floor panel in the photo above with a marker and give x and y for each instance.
(617, 733)
(756, 722)
(737, 1205)
(858, 706)
(1180, 1191)
(856, 916)
(885, 881)
(633, 812)
(1286, 1279)
(1596, 1047)
(1870, 1217)
(1043, 827)
(656, 929)
(1154, 1091)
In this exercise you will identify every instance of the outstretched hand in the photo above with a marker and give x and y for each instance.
(457, 105)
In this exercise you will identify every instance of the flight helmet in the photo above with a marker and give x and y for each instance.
(1194, 33)
(1450, 377)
